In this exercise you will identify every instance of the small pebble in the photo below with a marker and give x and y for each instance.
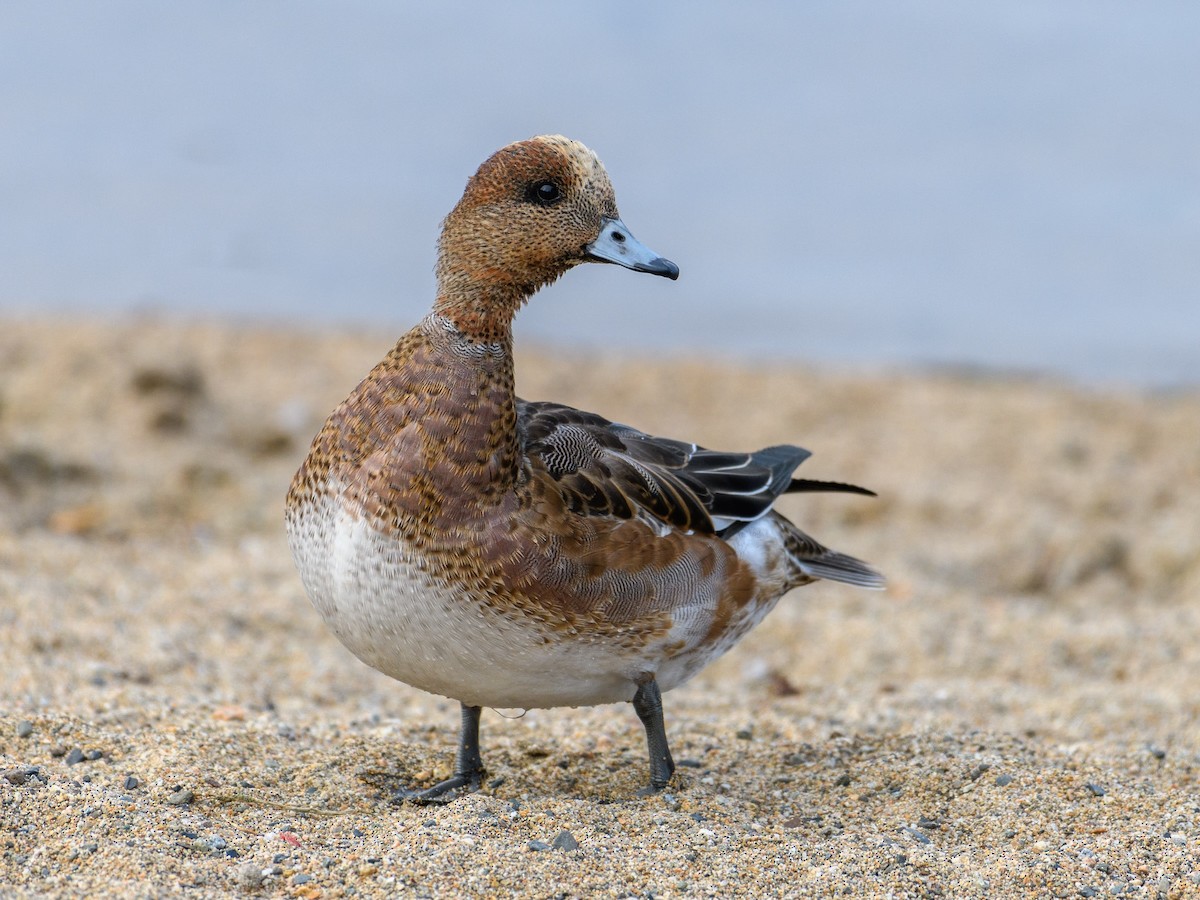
(94, 755)
(248, 876)
(1156, 752)
(496, 782)
(75, 756)
(744, 734)
(842, 780)
(131, 783)
(24, 729)
(690, 763)
(1095, 789)
(1003, 780)
(564, 840)
(58, 750)
(301, 878)
(537, 846)
(924, 839)
(180, 797)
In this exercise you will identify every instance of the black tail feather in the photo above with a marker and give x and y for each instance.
(808, 485)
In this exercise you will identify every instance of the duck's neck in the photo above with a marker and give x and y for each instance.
(459, 390)
(482, 310)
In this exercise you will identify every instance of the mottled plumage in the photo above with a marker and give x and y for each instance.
(515, 554)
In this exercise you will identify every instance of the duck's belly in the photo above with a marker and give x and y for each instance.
(417, 629)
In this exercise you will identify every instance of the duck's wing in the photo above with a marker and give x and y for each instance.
(604, 468)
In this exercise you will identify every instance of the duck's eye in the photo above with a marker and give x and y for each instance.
(543, 193)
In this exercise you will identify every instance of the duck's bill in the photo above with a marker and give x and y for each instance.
(616, 244)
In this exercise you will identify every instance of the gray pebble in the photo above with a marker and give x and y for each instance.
(744, 734)
(131, 783)
(75, 756)
(842, 780)
(181, 796)
(496, 782)
(537, 846)
(1095, 789)
(924, 839)
(58, 750)
(94, 755)
(564, 840)
(1003, 780)
(24, 729)
(301, 878)
(217, 842)
(248, 876)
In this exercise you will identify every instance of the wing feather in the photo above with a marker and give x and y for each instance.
(608, 469)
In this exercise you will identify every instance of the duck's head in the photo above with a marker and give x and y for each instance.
(535, 209)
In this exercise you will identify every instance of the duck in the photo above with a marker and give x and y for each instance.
(510, 554)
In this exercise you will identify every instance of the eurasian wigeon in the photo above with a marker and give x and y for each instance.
(513, 554)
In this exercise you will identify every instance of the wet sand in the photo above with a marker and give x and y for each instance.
(1017, 715)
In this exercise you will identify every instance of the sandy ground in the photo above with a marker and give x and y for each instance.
(1015, 716)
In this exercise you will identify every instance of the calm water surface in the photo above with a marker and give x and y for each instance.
(1013, 184)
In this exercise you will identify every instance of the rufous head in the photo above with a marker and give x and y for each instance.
(534, 209)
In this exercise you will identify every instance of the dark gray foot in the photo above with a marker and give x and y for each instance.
(647, 703)
(468, 767)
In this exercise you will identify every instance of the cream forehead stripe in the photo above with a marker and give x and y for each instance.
(584, 160)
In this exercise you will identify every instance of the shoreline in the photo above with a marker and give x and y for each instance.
(1015, 715)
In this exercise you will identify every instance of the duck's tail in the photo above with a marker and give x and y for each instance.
(812, 560)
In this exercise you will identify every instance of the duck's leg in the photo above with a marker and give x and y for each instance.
(647, 703)
(468, 765)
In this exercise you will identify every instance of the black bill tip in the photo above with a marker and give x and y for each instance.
(659, 266)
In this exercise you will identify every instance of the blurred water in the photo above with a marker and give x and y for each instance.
(1013, 184)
